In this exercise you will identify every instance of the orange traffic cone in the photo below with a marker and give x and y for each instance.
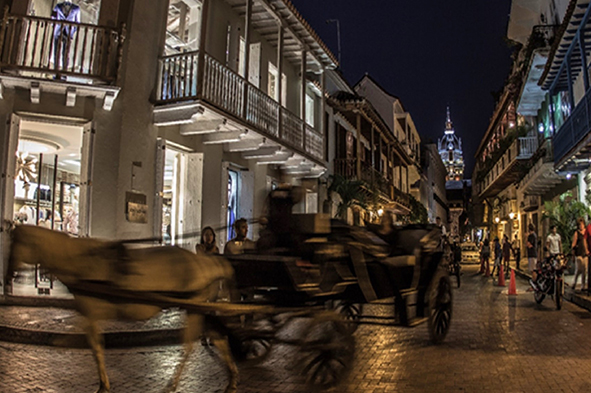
(501, 282)
(512, 287)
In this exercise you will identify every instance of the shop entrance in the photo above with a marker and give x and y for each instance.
(181, 176)
(48, 170)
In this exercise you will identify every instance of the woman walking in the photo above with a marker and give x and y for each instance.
(579, 247)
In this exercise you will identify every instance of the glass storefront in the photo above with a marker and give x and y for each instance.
(47, 191)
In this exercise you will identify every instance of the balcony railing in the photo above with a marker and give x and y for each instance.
(347, 167)
(227, 90)
(500, 175)
(574, 129)
(48, 48)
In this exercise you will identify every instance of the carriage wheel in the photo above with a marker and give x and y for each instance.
(327, 349)
(439, 306)
(252, 344)
(351, 312)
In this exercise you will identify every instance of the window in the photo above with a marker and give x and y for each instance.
(273, 87)
(272, 82)
(241, 56)
(310, 109)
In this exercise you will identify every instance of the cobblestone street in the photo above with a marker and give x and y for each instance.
(497, 344)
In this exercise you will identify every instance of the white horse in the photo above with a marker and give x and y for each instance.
(154, 277)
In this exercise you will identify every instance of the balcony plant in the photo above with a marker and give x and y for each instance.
(418, 212)
(350, 193)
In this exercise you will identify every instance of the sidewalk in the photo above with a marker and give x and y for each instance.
(54, 322)
(581, 299)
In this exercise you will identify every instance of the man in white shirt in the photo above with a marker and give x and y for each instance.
(554, 242)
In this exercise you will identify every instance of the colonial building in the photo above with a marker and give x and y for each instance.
(400, 122)
(154, 121)
(450, 150)
(515, 171)
(435, 171)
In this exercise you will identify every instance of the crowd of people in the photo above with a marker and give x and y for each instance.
(501, 252)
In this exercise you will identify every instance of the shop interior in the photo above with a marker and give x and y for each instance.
(46, 191)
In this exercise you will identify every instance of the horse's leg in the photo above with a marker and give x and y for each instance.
(192, 331)
(95, 339)
(221, 342)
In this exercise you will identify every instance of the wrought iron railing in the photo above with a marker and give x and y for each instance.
(227, 90)
(574, 129)
(49, 48)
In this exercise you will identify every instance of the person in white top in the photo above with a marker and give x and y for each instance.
(554, 242)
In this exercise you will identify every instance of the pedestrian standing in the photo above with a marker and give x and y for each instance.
(498, 254)
(581, 251)
(506, 254)
(240, 243)
(516, 251)
(207, 244)
(553, 242)
(484, 256)
(532, 252)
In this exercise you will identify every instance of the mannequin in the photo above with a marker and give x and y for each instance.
(63, 33)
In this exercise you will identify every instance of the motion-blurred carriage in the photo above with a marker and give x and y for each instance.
(335, 269)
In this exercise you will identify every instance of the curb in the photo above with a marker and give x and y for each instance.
(121, 339)
(128, 339)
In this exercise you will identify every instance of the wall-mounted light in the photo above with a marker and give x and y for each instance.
(497, 220)
(511, 124)
(541, 127)
(511, 215)
(569, 176)
(380, 212)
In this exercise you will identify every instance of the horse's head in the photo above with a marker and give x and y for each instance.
(34, 245)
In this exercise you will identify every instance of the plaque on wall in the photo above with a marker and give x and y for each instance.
(136, 208)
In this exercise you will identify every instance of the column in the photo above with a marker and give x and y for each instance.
(246, 70)
(323, 125)
(303, 96)
(202, 40)
(279, 78)
(581, 39)
(358, 129)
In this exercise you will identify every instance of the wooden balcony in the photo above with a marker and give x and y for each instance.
(506, 170)
(347, 167)
(231, 94)
(86, 54)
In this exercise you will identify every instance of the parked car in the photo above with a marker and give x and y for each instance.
(470, 253)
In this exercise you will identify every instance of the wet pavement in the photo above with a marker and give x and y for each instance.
(496, 343)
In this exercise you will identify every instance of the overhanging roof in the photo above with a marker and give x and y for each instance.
(265, 17)
(555, 73)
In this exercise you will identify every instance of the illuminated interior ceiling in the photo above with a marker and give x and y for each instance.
(50, 139)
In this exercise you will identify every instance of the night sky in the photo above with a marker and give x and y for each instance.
(428, 53)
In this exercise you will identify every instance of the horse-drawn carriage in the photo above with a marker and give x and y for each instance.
(336, 267)
(320, 277)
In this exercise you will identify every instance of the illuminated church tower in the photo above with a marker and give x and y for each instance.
(450, 150)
